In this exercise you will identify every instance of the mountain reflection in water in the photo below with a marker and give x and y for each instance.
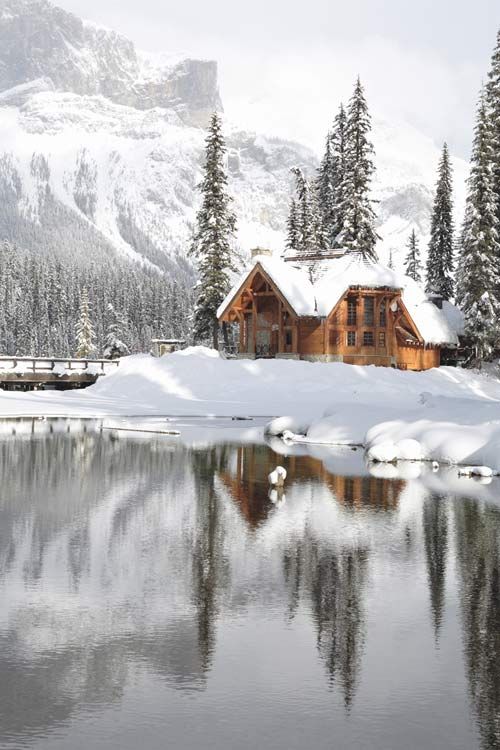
(362, 607)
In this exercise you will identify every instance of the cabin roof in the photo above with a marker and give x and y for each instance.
(338, 275)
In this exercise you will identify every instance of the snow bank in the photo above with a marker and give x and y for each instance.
(447, 414)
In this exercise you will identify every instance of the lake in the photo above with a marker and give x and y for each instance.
(156, 594)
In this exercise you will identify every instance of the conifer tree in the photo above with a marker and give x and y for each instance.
(85, 333)
(358, 234)
(413, 265)
(478, 278)
(325, 192)
(493, 105)
(212, 245)
(440, 256)
(310, 237)
(115, 346)
(338, 146)
(292, 235)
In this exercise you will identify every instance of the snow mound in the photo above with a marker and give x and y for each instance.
(285, 425)
(383, 453)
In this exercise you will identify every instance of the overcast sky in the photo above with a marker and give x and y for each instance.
(284, 66)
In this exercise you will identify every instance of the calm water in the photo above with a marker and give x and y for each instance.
(153, 596)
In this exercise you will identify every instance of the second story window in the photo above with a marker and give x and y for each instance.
(351, 311)
(369, 310)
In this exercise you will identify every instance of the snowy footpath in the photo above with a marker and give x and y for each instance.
(449, 415)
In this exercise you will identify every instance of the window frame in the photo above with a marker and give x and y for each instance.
(352, 311)
(370, 334)
(369, 310)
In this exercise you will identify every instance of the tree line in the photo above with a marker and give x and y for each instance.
(50, 307)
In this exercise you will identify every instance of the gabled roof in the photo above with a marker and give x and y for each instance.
(339, 275)
(292, 282)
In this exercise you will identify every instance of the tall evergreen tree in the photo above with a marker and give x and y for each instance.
(212, 245)
(338, 147)
(413, 265)
(85, 333)
(358, 233)
(310, 237)
(440, 256)
(478, 278)
(325, 192)
(292, 235)
(493, 104)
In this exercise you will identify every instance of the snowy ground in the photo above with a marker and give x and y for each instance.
(453, 414)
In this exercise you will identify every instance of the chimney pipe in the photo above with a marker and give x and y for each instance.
(255, 251)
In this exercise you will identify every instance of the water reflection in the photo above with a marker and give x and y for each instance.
(478, 542)
(435, 526)
(121, 558)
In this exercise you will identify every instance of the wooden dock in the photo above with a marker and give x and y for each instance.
(40, 373)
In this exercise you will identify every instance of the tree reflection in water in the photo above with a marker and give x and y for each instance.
(477, 529)
(119, 554)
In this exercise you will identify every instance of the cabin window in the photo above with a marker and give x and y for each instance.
(381, 339)
(288, 338)
(383, 314)
(367, 338)
(351, 311)
(334, 337)
(369, 309)
(351, 338)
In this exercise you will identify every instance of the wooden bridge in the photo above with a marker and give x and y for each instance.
(38, 373)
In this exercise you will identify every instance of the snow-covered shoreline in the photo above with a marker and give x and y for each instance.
(454, 414)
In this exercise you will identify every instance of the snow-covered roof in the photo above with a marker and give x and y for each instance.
(292, 282)
(318, 299)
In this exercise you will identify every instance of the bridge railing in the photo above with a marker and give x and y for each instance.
(57, 365)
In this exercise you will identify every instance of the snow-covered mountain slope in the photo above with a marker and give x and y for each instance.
(101, 149)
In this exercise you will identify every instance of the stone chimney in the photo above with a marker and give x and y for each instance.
(259, 251)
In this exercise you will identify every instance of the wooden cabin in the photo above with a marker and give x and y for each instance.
(337, 309)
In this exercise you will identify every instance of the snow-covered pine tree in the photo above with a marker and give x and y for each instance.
(85, 334)
(325, 192)
(212, 245)
(338, 148)
(115, 346)
(478, 276)
(358, 233)
(413, 264)
(493, 105)
(310, 236)
(292, 233)
(440, 260)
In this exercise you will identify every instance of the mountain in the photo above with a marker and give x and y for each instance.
(101, 149)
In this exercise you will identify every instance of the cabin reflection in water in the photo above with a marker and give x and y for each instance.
(245, 476)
